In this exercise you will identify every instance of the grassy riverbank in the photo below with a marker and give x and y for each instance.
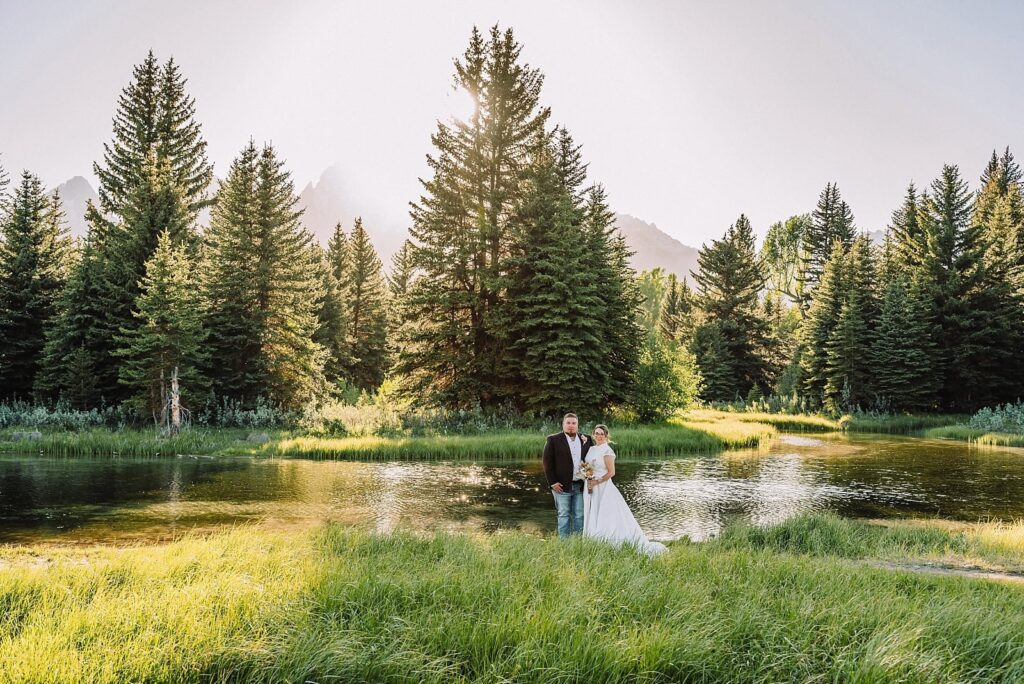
(679, 436)
(966, 433)
(879, 424)
(785, 604)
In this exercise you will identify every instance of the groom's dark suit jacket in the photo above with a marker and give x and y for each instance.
(557, 458)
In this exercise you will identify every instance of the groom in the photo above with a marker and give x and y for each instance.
(563, 453)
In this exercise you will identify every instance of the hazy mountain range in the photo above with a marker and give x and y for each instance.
(328, 201)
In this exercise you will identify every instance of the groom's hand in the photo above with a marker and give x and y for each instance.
(557, 487)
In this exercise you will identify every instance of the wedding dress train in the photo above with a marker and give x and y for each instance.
(606, 514)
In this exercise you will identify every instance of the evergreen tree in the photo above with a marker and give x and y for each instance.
(402, 270)
(4, 182)
(73, 342)
(729, 283)
(905, 236)
(848, 345)
(715, 362)
(463, 233)
(333, 333)
(331, 317)
(606, 260)
(668, 319)
(261, 287)
(169, 336)
(902, 350)
(971, 359)
(34, 260)
(553, 307)
(822, 318)
(366, 309)
(154, 176)
(831, 224)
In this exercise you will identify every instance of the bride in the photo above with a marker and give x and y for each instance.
(605, 513)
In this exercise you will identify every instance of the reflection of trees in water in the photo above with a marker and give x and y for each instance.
(110, 498)
(697, 497)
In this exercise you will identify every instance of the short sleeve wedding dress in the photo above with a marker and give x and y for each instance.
(606, 514)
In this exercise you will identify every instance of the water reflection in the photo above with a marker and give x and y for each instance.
(119, 499)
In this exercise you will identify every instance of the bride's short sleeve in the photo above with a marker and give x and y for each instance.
(610, 453)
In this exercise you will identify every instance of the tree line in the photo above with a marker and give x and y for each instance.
(249, 308)
(930, 319)
(514, 291)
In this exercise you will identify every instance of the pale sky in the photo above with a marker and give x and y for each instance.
(689, 112)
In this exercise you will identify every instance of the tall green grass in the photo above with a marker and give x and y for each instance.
(981, 437)
(676, 437)
(992, 545)
(339, 605)
(128, 442)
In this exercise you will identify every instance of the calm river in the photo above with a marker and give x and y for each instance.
(120, 500)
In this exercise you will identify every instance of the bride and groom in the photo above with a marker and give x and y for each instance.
(580, 471)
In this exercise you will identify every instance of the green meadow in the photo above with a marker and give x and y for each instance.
(798, 602)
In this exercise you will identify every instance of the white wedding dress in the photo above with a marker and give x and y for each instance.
(606, 514)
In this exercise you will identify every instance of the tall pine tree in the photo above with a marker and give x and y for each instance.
(462, 228)
(261, 287)
(729, 283)
(847, 367)
(903, 349)
(831, 224)
(170, 335)
(553, 308)
(154, 176)
(366, 308)
(35, 252)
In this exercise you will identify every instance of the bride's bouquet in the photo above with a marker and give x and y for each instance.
(587, 471)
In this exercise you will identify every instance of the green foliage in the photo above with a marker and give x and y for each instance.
(170, 335)
(831, 224)
(35, 256)
(261, 287)
(733, 353)
(1007, 418)
(781, 253)
(667, 379)
(403, 270)
(154, 178)
(653, 286)
(903, 350)
(463, 227)
(365, 299)
(847, 369)
(554, 310)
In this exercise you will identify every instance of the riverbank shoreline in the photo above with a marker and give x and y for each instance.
(697, 431)
(679, 436)
(792, 602)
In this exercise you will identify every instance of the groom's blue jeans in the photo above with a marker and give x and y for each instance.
(569, 505)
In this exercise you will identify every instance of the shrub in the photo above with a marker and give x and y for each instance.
(1006, 418)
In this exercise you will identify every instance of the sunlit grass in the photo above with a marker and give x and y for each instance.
(993, 545)
(679, 436)
(785, 422)
(343, 605)
(965, 433)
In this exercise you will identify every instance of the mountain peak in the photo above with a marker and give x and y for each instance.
(654, 248)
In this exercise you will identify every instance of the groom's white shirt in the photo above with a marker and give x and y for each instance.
(575, 447)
